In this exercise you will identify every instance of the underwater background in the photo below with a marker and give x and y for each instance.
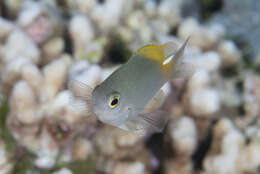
(214, 117)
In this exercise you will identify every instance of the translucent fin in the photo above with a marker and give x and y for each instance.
(178, 57)
(177, 68)
(148, 123)
(170, 48)
(80, 100)
(80, 107)
(80, 89)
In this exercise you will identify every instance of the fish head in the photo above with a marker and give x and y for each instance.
(109, 106)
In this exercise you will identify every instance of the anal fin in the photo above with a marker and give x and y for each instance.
(153, 122)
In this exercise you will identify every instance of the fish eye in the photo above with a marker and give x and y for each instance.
(113, 100)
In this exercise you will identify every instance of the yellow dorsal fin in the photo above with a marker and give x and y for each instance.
(159, 53)
(153, 52)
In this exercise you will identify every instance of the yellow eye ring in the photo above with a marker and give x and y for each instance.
(114, 101)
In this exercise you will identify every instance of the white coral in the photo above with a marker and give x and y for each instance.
(229, 53)
(184, 135)
(23, 103)
(205, 102)
(81, 31)
(129, 168)
(20, 45)
(205, 37)
(54, 75)
(6, 28)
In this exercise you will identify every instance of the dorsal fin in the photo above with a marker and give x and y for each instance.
(169, 57)
(153, 52)
(178, 68)
(170, 48)
(158, 53)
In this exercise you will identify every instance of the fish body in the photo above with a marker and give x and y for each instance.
(120, 98)
(136, 81)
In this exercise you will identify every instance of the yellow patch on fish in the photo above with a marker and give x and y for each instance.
(159, 53)
(153, 52)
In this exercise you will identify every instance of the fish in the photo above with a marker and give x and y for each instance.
(123, 96)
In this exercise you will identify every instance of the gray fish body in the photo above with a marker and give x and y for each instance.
(134, 84)
(143, 79)
(137, 81)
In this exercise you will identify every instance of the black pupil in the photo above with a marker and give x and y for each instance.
(114, 102)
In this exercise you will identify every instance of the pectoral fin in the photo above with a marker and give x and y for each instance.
(80, 99)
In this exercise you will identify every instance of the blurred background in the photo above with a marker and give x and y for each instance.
(214, 115)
